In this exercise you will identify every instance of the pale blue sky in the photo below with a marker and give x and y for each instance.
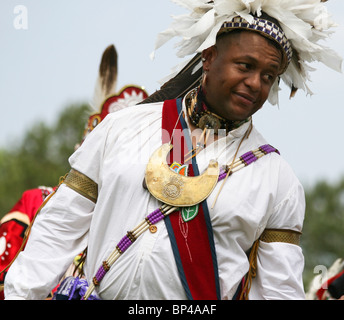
(55, 62)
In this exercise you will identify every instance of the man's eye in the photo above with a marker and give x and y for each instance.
(244, 65)
(269, 77)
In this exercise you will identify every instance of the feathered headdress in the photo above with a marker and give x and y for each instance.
(301, 23)
(105, 99)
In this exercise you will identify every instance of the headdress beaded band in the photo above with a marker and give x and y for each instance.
(268, 28)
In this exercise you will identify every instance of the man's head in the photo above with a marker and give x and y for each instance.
(298, 28)
(239, 71)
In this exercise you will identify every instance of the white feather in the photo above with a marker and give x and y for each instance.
(305, 23)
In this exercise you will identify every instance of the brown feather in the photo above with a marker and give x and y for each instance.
(108, 69)
(293, 92)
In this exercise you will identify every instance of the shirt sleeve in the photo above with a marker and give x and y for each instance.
(280, 265)
(60, 230)
(57, 236)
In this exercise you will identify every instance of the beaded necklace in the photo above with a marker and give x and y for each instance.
(201, 115)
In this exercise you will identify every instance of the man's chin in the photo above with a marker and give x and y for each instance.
(234, 112)
(240, 113)
(237, 116)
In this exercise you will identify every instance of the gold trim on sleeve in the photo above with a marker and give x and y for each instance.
(280, 235)
(268, 235)
(82, 185)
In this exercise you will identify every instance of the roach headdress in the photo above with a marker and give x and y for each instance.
(298, 26)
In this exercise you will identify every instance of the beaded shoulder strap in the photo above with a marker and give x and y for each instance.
(162, 212)
(248, 158)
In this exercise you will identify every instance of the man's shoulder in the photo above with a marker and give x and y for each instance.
(274, 163)
(137, 112)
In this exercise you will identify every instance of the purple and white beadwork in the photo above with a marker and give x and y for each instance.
(155, 216)
(248, 158)
(100, 274)
(268, 149)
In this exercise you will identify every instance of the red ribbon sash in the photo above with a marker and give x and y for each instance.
(192, 241)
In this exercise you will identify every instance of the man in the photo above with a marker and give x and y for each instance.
(235, 236)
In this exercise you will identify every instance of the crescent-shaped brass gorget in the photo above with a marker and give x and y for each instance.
(175, 189)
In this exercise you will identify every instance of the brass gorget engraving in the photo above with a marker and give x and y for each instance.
(174, 189)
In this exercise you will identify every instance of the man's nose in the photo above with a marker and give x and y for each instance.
(254, 81)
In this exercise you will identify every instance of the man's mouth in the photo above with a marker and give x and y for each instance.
(246, 98)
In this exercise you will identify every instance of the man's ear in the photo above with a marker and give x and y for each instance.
(208, 56)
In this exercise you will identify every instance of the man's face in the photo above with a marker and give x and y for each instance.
(240, 71)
